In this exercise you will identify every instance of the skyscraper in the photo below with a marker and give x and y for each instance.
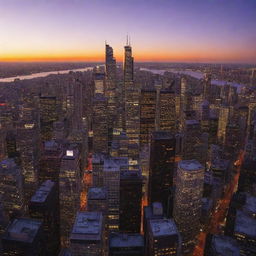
(111, 84)
(111, 180)
(187, 201)
(24, 237)
(48, 115)
(29, 149)
(132, 108)
(222, 124)
(147, 115)
(167, 114)
(130, 201)
(43, 206)
(50, 161)
(192, 141)
(161, 169)
(163, 238)
(69, 191)
(11, 188)
(207, 87)
(126, 244)
(100, 124)
(87, 235)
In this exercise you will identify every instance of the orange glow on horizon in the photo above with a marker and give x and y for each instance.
(139, 57)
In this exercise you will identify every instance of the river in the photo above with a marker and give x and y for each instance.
(42, 74)
(195, 74)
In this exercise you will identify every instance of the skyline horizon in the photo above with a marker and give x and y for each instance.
(119, 59)
(161, 31)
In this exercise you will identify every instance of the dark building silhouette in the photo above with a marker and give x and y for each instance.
(24, 237)
(130, 201)
(161, 169)
(124, 244)
(247, 176)
(163, 238)
(43, 206)
(219, 245)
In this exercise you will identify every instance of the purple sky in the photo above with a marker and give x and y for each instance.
(163, 30)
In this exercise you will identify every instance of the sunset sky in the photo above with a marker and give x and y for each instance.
(160, 30)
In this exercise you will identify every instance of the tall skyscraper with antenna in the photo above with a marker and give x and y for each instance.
(111, 87)
(132, 108)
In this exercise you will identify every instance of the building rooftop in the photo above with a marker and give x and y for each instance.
(207, 204)
(87, 226)
(51, 145)
(162, 135)
(225, 246)
(110, 165)
(123, 240)
(96, 193)
(65, 252)
(70, 154)
(163, 227)
(121, 161)
(245, 224)
(154, 211)
(23, 230)
(42, 193)
(190, 165)
(192, 122)
(98, 158)
(250, 204)
(220, 164)
(8, 163)
(136, 175)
